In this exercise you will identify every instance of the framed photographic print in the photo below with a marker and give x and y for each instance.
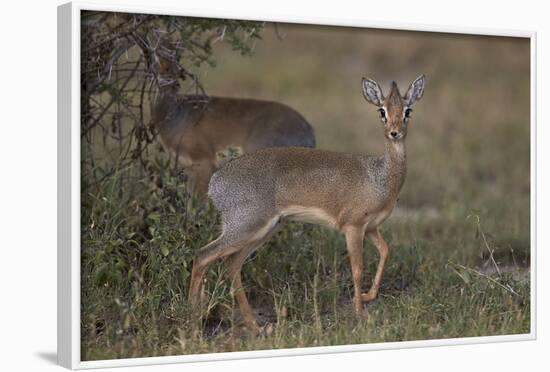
(235, 188)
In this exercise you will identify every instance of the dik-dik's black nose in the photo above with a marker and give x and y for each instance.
(394, 134)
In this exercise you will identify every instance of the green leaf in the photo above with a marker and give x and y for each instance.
(154, 216)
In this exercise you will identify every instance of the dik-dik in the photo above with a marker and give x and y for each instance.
(351, 193)
(196, 129)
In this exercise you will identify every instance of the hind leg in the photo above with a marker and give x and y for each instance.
(237, 290)
(221, 247)
(234, 273)
(240, 239)
(206, 255)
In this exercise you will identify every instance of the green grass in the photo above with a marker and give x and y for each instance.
(137, 254)
(463, 212)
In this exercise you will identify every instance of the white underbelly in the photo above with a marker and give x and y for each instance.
(312, 215)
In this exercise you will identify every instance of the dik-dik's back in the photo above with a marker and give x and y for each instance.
(196, 129)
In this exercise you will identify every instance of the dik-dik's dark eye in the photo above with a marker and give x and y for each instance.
(408, 113)
(382, 112)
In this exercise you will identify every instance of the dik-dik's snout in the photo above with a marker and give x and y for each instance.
(395, 130)
(395, 135)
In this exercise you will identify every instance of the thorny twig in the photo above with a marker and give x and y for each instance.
(129, 60)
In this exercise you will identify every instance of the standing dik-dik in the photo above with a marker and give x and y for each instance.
(196, 129)
(348, 192)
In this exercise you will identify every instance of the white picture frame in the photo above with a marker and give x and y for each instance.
(69, 189)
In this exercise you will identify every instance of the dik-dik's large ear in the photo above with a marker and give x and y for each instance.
(372, 92)
(416, 90)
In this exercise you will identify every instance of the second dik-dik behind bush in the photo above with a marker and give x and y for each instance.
(352, 193)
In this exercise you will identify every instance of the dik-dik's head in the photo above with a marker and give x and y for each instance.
(395, 110)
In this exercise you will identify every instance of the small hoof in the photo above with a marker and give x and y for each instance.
(267, 329)
(196, 333)
(362, 311)
(369, 296)
(254, 332)
(253, 328)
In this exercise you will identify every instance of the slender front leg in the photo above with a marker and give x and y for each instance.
(376, 238)
(354, 243)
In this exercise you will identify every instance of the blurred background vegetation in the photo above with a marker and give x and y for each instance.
(459, 237)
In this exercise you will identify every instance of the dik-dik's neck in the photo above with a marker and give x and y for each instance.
(396, 152)
(395, 164)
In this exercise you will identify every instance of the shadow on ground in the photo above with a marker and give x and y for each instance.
(48, 356)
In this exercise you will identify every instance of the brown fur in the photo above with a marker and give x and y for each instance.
(349, 192)
(196, 129)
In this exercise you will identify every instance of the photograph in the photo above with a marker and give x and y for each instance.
(257, 185)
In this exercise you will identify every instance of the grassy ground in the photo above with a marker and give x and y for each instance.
(459, 238)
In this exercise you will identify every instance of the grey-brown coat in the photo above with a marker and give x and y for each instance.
(349, 192)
